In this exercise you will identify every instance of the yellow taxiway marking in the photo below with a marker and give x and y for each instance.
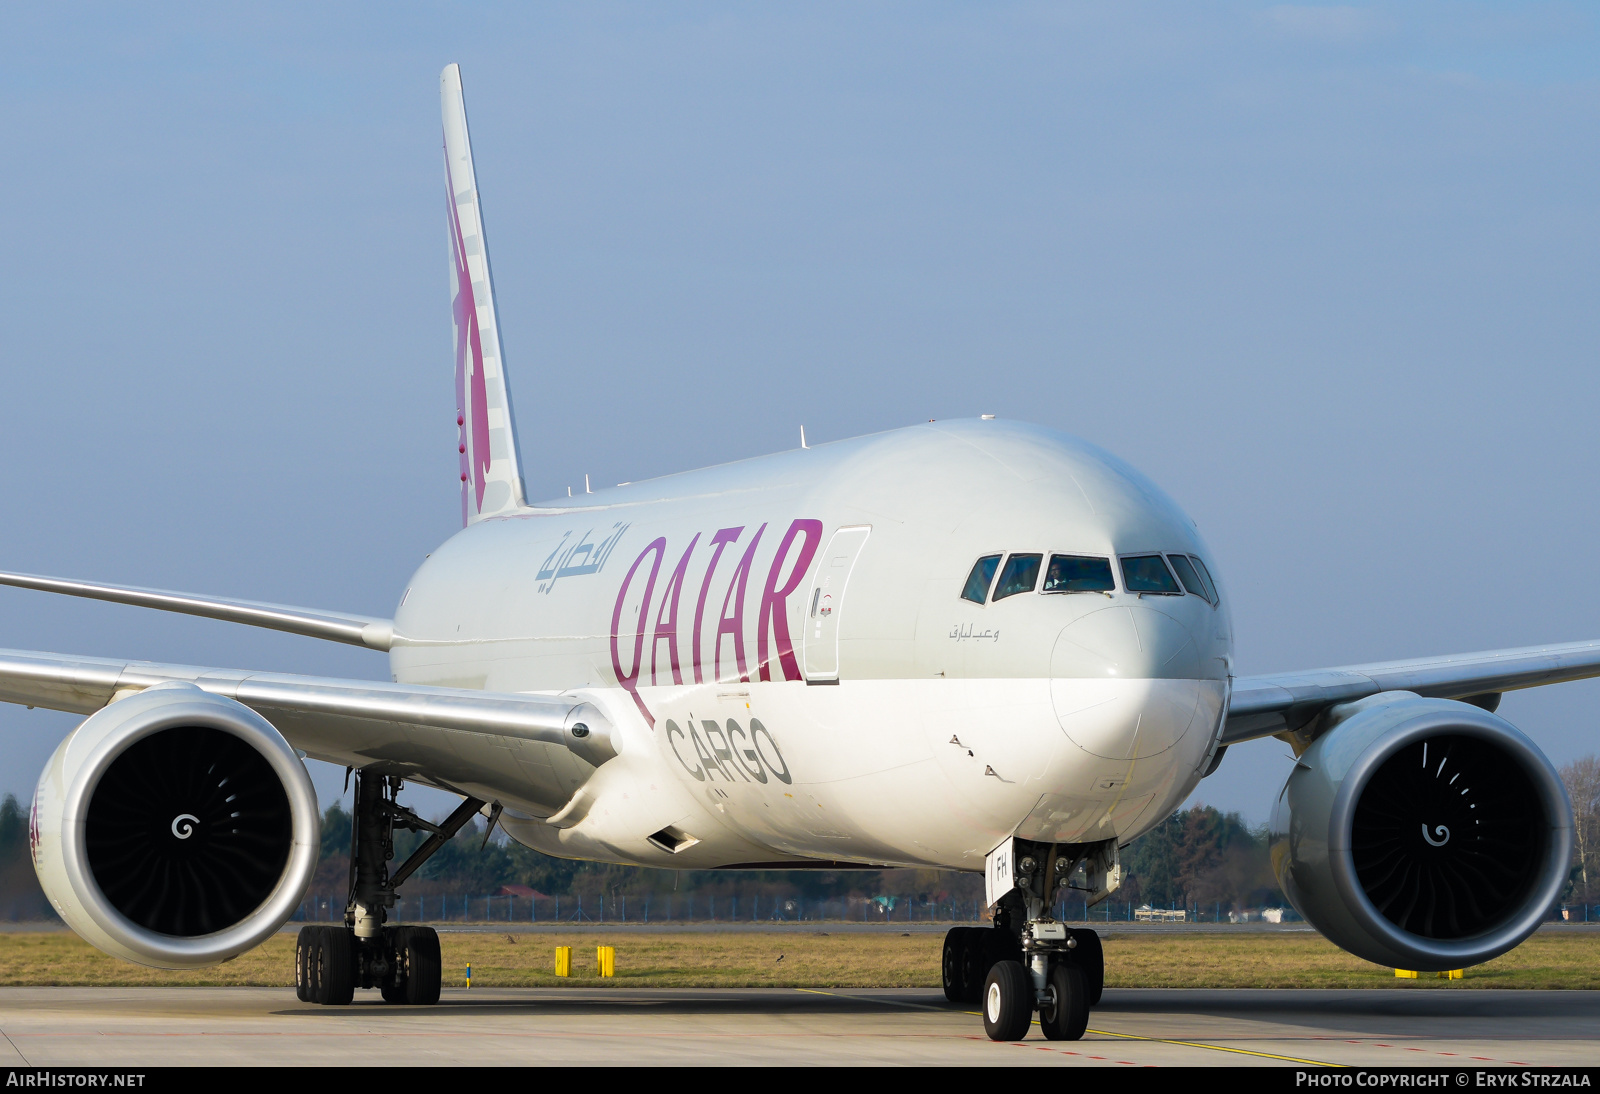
(1214, 1048)
(1194, 1044)
(1121, 1036)
(871, 999)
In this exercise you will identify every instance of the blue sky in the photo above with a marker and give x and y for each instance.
(1326, 273)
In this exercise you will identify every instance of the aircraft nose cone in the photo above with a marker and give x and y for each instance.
(1125, 681)
(1128, 641)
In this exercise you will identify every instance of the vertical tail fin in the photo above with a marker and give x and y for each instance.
(491, 473)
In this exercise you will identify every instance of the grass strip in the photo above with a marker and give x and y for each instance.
(824, 960)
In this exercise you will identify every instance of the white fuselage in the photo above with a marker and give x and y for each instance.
(794, 675)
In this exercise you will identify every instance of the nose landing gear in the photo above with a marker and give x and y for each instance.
(1051, 976)
(1028, 961)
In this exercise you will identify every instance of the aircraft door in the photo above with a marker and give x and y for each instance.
(826, 599)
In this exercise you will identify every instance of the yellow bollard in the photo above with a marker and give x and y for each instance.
(607, 956)
(1453, 974)
(1405, 974)
(469, 976)
(563, 960)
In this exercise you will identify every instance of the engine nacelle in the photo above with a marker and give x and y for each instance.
(175, 828)
(1422, 834)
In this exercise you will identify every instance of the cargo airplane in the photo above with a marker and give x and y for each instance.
(968, 645)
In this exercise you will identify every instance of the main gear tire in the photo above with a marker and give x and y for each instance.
(998, 944)
(976, 963)
(958, 946)
(332, 967)
(302, 953)
(426, 967)
(393, 988)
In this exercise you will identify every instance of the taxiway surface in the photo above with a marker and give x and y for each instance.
(131, 1027)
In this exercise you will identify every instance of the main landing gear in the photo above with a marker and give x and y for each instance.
(403, 963)
(1028, 962)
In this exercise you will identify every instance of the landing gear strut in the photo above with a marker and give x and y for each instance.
(403, 963)
(1027, 961)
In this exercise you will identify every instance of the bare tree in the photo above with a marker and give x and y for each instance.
(1582, 777)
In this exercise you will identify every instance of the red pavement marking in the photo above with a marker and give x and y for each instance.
(1063, 1051)
(1408, 1048)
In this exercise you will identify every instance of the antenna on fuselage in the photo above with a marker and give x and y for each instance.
(803, 438)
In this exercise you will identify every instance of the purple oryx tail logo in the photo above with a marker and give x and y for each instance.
(472, 400)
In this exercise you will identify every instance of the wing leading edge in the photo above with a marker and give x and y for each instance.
(1262, 706)
(356, 630)
(489, 745)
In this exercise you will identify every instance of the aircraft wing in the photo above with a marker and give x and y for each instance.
(1264, 705)
(489, 745)
(357, 630)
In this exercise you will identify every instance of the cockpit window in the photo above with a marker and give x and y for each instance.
(1078, 574)
(1148, 574)
(1205, 579)
(977, 587)
(1192, 581)
(1020, 576)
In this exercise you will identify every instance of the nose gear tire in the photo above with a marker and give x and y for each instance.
(1066, 1016)
(1092, 960)
(1007, 1002)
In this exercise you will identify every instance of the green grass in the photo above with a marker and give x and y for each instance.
(1307, 960)
(824, 960)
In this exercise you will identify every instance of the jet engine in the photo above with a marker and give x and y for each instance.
(1422, 834)
(175, 828)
